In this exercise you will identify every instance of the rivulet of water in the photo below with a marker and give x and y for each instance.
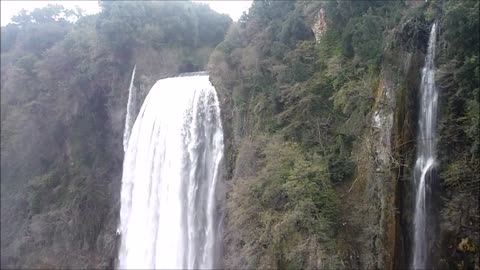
(426, 145)
(130, 110)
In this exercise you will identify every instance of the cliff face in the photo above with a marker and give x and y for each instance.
(319, 108)
(348, 100)
(368, 225)
(375, 183)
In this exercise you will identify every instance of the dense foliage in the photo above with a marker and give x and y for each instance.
(459, 147)
(299, 83)
(278, 81)
(316, 96)
(279, 215)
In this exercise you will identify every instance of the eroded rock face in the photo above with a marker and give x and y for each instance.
(320, 25)
(382, 181)
(373, 192)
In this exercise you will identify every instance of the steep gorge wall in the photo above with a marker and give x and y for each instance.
(373, 224)
(318, 166)
(369, 216)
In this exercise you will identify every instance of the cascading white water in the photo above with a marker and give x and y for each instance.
(423, 173)
(171, 166)
(130, 108)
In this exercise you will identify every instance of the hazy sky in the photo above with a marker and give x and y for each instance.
(11, 8)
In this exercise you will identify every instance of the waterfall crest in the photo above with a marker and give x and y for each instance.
(426, 159)
(130, 109)
(168, 210)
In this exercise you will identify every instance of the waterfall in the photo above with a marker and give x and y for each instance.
(423, 173)
(130, 109)
(168, 198)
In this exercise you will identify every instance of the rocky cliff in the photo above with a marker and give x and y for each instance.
(336, 100)
(319, 105)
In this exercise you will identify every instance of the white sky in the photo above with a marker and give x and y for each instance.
(10, 8)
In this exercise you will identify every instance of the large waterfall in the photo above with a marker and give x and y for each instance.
(425, 163)
(171, 166)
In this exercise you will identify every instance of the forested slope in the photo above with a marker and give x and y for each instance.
(319, 105)
(320, 111)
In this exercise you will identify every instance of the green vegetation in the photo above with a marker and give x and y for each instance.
(305, 187)
(318, 98)
(271, 212)
(459, 146)
(313, 96)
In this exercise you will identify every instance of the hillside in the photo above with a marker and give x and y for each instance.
(320, 104)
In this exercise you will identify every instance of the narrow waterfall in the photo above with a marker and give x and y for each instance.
(423, 173)
(130, 109)
(170, 172)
